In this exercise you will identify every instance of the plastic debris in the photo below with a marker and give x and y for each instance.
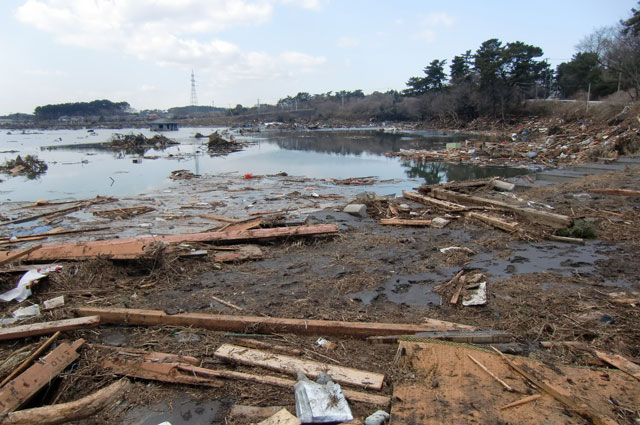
(377, 418)
(24, 313)
(22, 291)
(325, 343)
(52, 303)
(479, 297)
(320, 403)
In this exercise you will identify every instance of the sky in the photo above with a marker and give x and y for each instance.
(250, 51)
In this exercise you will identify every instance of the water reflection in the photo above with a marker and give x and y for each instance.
(441, 172)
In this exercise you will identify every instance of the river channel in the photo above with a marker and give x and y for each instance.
(79, 166)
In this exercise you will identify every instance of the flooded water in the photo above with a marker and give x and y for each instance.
(80, 167)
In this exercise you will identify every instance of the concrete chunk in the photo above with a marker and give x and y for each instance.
(359, 210)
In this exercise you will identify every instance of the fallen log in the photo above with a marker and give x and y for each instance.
(617, 192)
(28, 383)
(135, 247)
(403, 222)
(507, 226)
(445, 205)
(71, 411)
(534, 216)
(46, 328)
(291, 365)
(258, 324)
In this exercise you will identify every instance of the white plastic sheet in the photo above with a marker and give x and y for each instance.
(22, 291)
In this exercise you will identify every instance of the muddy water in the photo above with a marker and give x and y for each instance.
(80, 167)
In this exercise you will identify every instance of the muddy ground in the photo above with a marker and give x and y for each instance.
(539, 290)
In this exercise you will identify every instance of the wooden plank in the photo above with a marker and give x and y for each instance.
(27, 362)
(66, 210)
(561, 395)
(135, 247)
(251, 414)
(535, 216)
(157, 371)
(566, 239)
(14, 255)
(27, 384)
(71, 411)
(291, 365)
(474, 337)
(403, 222)
(351, 395)
(428, 200)
(252, 223)
(220, 218)
(507, 226)
(46, 328)
(252, 343)
(617, 192)
(283, 417)
(258, 324)
(619, 362)
(522, 401)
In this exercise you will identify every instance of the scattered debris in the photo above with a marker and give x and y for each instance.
(139, 143)
(29, 166)
(22, 291)
(320, 402)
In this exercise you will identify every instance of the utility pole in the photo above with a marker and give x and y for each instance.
(194, 98)
(619, 79)
(588, 97)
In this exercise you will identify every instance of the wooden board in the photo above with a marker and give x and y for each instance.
(46, 328)
(475, 337)
(507, 226)
(427, 200)
(403, 222)
(156, 371)
(258, 324)
(135, 247)
(617, 192)
(620, 362)
(535, 216)
(466, 394)
(351, 395)
(291, 365)
(27, 384)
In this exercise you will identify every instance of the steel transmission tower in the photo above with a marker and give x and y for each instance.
(194, 98)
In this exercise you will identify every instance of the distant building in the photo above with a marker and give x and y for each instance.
(163, 125)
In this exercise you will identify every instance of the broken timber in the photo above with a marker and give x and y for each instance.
(618, 192)
(535, 216)
(619, 362)
(445, 205)
(291, 365)
(26, 385)
(14, 255)
(475, 337)
(403, 222)
(27, 362)
(507, 226)
(351, 395)
(46, 328)
(258, 324)
(135, 247)
(71, 411)
(157, 371)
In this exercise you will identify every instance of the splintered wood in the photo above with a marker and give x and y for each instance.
(292, 365)
(26, 385)
(465, 393)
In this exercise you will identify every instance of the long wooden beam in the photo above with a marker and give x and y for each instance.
(428, 200)
(135, 247)
(46, 328)
(535, 216)
(258, 324)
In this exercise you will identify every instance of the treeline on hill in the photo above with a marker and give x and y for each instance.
(493, 81)
(96, 108)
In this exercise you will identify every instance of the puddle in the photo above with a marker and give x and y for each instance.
(80, 166)
(181, 411)
(412, 290)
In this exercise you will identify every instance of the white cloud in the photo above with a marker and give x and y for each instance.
(45, 73)
(430, 25)
(307, 4)
(346, 42)
(168, 32)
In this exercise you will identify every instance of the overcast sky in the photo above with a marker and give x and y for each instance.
(143, 51)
